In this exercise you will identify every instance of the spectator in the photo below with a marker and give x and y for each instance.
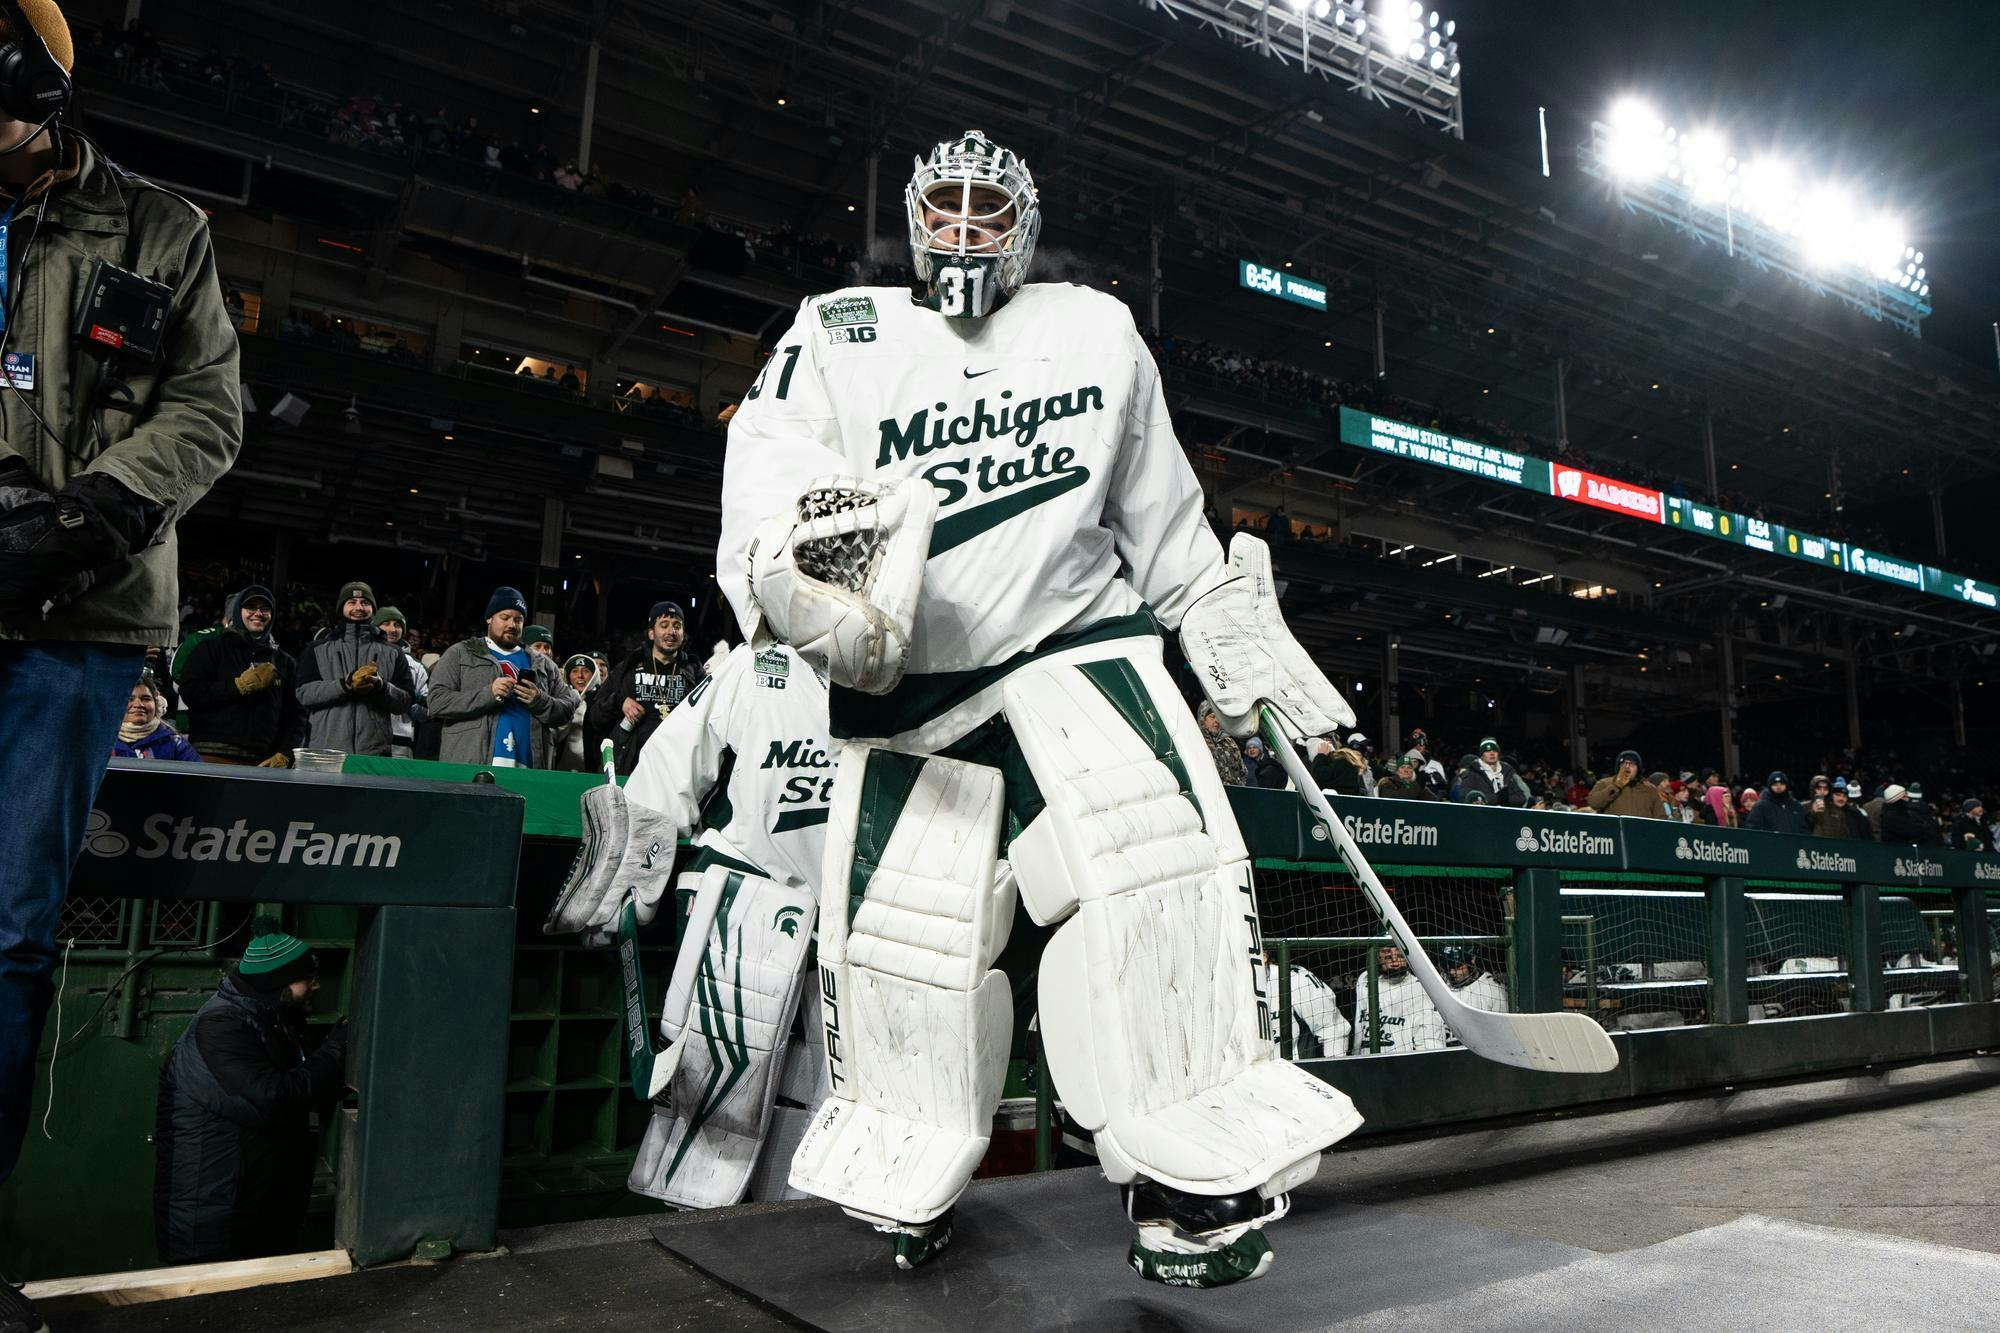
(1776, 811)
(1222, 747)
(648, 684)
(1968, 828)
(1262, 768)
(403, 726)
(1835, 816)
(1402, 785)
(1626, 793)
(233, 1135)
(1716, 795)
(537, 640)
(145, 733)
(1491, 778)
(352, 680)
(567, 749)
(1429, 771)
(1745, 804)
(241, 688)
(1904, 820)
(1341, 769)
(1680, 805)
(158, 666)
(490, 692)
(1577, 795)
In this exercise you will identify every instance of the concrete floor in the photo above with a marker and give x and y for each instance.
(1907, 1153)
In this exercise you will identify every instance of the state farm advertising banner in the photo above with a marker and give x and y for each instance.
(1603, 493)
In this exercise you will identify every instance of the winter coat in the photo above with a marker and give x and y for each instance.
(1344, 772)
(658, 688)
(188, 422)
(1968, 835)
(1838, 821)
(1395, 789)
(403, 726)
(233, 1138)
(1777, 814)
(1264, 771)
(461, 697)
(1223, 748)
(225, 722)
(1873, 809)
(164, 743)
(1509, 790)
(1909, 821)
(1637, 799)
(338, 718)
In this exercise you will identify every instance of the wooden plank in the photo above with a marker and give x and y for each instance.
(164, 1284)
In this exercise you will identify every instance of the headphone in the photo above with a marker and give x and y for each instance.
(33, 86)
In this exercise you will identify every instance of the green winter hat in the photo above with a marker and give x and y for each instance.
(1488, 743)
(537, 634)
(274, 959)
(385, 614)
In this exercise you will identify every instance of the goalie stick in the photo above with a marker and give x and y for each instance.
(1551, 1043)
(650, 1070)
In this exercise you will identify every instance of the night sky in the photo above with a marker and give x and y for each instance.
(1901, 103)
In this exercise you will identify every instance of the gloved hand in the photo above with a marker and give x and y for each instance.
(257, 676)
(277, 761)
(364, 678)
(53, 547)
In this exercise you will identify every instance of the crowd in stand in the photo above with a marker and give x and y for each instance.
(1844, 803)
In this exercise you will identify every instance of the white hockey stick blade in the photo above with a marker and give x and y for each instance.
(1550, 1043)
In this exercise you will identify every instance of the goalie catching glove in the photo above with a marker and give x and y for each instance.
(627, 853)
(1243, 653)
(838, 579)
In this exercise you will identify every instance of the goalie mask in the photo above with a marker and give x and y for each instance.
(973, 222)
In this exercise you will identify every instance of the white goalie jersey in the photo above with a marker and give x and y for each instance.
(1064, 501)
(747, 759)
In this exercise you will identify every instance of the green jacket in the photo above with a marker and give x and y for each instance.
(188, 425)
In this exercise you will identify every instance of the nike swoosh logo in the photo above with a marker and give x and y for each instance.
(975, 374)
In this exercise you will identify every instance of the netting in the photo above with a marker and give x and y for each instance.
(1797, 954)
(1327, 981)
(845, 559)
(1635, 949)
(92, 920)
(177, 924)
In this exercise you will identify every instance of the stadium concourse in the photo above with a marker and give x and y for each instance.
(1612, 797)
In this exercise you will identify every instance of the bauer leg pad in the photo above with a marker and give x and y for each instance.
(914, 908)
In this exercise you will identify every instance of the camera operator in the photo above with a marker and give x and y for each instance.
(119, 408)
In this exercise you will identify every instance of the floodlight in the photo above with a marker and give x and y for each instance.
(1416, 9)
(1434, 18)
(1437, 60)
(1454, 69)
(1416, 50)
(1826, 226)
(1920, 256)
(1321, 8)
(1360, 27)
(1926, 290)
(1450, 27)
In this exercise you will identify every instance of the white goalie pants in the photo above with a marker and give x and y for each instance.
(1153, 1021)
(751, 1068)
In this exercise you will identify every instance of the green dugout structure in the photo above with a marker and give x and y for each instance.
(488, 1061)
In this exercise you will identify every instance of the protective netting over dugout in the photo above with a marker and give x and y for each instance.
(1325, 945)
(1635, 949)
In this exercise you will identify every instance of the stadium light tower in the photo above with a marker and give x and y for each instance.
(1821, 233)
(1400, 53)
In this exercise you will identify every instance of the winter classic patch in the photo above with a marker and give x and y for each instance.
(847, 310)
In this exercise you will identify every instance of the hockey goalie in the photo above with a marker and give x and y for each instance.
(745, 768)
(966, 501)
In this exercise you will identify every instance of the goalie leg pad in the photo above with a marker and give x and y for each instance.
(913, 911)
(1152, 1019)
(736, 987)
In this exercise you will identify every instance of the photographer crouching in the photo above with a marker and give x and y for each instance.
(119, 408)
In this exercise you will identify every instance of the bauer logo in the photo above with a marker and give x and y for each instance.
(1918, 867)
(300, 843)
(1387, 832)
(1711, 853)
(1815, 860)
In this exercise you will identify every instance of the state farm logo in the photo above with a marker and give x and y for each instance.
(301, 842)
(1566, 842)
(1387, 832)
(1918, 866)
(1569, 483)
(100, 839)
(1711, 853)
(1525, 840)
(1814, 860)
(1985, 870)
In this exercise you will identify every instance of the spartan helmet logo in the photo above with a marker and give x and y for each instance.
(787, 920)
(100, 840)
(1682, 851)
(1525, 840)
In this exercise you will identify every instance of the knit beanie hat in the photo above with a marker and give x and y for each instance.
(274, 959)
(1488, 743)
(1633, 755)
(46, 18)
(506, 599)
(664, 609)
(537, 634)
(355, 588)
(385, 614)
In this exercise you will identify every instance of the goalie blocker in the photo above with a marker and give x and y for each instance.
(1153, 1021)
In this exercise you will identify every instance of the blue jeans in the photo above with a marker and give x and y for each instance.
(60, 706)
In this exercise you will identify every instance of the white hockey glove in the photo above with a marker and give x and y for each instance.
(627, 854)
(838, 580)
(1242, 652)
